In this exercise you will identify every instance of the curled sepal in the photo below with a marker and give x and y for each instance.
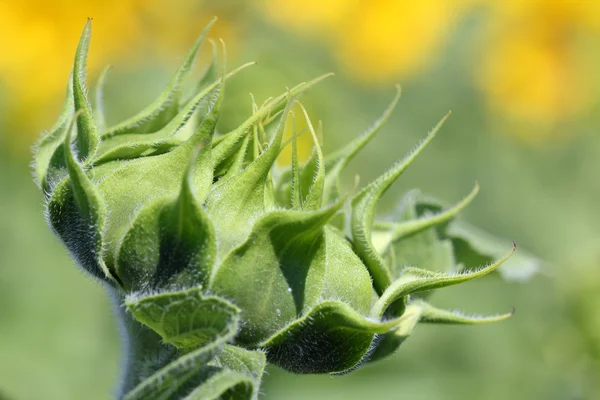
(195, 376)
(363, 212)
(386, 344)
(77, 214)
(414, 280)
(50, 166)
(225, 384)
(277, 273)
(247, 362)
(419, 224)
(186, 319)
(336, 162)
(250, 362)
(434, 315)
(88, 138)
(160, 111)
(474, 246)
(421, 312)
(132, 145)
(415, 240)
(331, 338)
(171, 243)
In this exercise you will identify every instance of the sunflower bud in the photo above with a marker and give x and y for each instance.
(227, 260)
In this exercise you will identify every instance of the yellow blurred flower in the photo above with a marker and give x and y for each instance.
(535, 64)
(536, 71)
(375, 40)
(39, 40)
(37, 53)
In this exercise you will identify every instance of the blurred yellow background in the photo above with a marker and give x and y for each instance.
(523, 80)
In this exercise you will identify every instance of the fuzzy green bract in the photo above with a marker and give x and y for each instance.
(223, 261)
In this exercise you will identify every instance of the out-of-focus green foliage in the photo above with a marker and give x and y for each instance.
(57, 329)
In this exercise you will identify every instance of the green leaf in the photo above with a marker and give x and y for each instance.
(331, 337)
(420, 223)
(474, 246)
(415, 241)
(363, 212)
(161, 110)
(224, 385)
(183, 375)
(251, 363)
(88, 137)
(420, 311)
(431, 314)
(50, 165)
(77, 214)
(171, 243)
(414, 280)
(186, 319)
(277, 273)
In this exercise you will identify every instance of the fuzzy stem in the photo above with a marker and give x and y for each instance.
(143, 350)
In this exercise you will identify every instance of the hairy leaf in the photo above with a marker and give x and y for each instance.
(160, 111)
(363, 212)
(187, 318)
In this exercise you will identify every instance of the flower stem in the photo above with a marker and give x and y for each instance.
(143, 350)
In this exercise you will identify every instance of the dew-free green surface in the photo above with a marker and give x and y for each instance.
(58, 339)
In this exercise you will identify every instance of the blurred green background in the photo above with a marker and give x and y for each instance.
(522, 79)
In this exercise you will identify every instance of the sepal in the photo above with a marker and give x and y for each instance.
(171, 243)
(421, 312)
(88, 137)
(331, 338)
(235, 202)
(363, 213)
(415, 239)
(153, 178)
(77, 214)
(157, 114)
(50, 166)
(474, 246)
(415, 280)
(283, 254)
(337, 162)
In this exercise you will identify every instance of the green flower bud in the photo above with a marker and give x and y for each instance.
(222, 259)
